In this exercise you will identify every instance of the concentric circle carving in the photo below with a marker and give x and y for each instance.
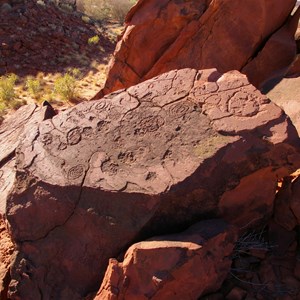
(74, 136)
(180, 109)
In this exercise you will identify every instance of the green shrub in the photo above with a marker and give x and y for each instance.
(65, 86)
(34, 87)
(7, 87)
(93, 40)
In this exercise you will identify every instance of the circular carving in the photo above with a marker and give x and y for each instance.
(75, 172)
(74, 136)
(87, 132)
(178, 110)
(241, 105)
(47, 139)
(101, 126)
(102, 105)
(149, 124)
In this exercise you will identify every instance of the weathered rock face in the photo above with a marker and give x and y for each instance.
(152, 159)
(179, 266)
(11, 132)
(164, 35)
(277, 56)
(6, 250)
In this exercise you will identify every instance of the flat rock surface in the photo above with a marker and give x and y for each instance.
(149, 160)
(11, 133)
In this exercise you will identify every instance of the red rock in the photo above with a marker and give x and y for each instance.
(149, 160)
(197, 34)
(11, 132)
(169, 267)
(280, 237)
(283, 214)
(295, 199)
(276, 57)
(294, 70)
(236, 294)
(6, 250)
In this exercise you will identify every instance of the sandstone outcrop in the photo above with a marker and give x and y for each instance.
(175, 267)
(277, 55)
(164, 35)
(150, 160)
(6, 250)
(11, 132)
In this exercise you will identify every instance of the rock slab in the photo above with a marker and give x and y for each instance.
(150, 160)
(179, 266)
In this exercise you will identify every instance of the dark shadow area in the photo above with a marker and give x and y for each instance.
(269, 85)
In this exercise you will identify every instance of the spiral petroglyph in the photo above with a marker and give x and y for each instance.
(102, 105)
(180, 109)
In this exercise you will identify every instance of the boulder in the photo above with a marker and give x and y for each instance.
(11, 132)
(277, 55)
(179, 266)
(150, 160)
(164, 35)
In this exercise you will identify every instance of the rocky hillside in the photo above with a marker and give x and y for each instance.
(38, 37)
(42, 42)
(182, 185)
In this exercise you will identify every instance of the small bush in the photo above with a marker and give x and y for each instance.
(7, 87)
(34, 87)
(93, 40)
(65, 86)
